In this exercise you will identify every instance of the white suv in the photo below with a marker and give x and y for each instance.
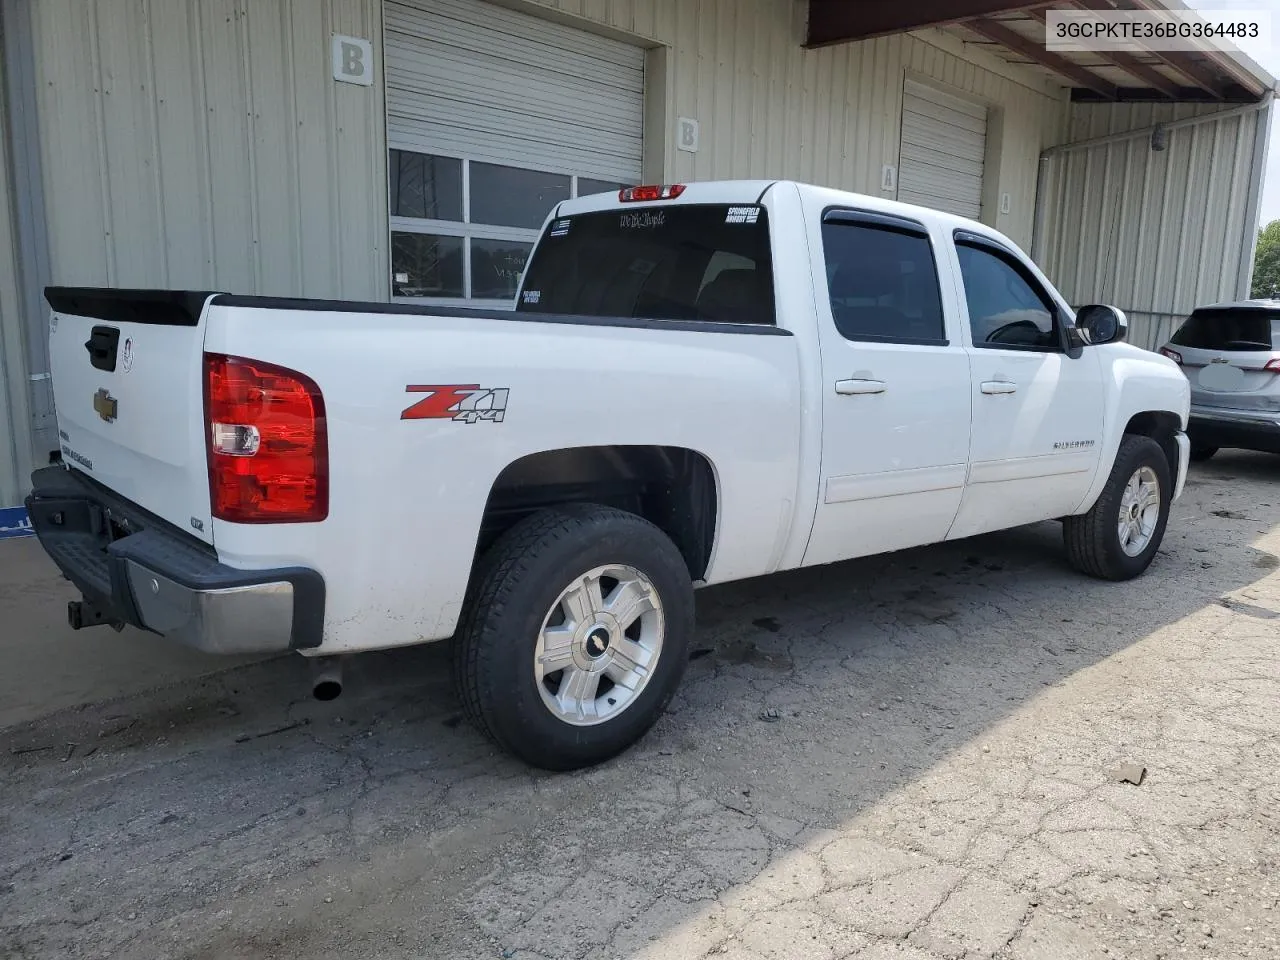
(1230, 353)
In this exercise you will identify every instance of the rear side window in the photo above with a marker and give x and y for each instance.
(883, 283)
(1229, 330)
(691, 262)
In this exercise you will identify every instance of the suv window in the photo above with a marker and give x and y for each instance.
(1007, 309)
(708, 262)
(883, 283)
(1229, 330)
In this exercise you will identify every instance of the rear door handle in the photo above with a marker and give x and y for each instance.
(853, 388)
(999, 386)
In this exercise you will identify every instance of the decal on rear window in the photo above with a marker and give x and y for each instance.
(464, 403)
(560, 228)
(742, 215)
(531, 296)
(642, 221)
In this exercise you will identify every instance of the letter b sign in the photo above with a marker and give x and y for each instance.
(352, 60)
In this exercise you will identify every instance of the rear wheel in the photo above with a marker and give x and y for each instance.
(1118, 538)
(1199, 452)
(575, 637)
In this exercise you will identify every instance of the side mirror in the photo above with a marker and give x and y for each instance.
(1099, 324)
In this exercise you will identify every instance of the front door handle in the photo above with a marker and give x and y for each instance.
(999, 386)
(853, 388)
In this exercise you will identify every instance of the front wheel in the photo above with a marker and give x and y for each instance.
(575, 636)
(1118, 538)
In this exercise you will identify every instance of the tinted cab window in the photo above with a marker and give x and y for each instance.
(882, 283)
(707, 262)
(1007, 309)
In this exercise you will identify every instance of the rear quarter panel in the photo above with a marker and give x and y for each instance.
(407, 495)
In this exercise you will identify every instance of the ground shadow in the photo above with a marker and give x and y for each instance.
(234, 817)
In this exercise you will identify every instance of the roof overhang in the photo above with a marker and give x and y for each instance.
(1014, 31)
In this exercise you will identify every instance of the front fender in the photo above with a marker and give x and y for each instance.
(1135, 382)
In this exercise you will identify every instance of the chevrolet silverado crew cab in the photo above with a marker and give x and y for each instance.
(697, 384)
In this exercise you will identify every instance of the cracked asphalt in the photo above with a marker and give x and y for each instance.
(908, 757)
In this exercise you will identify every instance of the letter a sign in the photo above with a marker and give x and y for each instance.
(352, 60)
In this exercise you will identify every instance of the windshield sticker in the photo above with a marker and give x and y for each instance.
(742, 215)
(531, 296)
(560, 228)
(642, 221)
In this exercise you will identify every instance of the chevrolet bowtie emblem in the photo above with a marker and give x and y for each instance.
(105, 404)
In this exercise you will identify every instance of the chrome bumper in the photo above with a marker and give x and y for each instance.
(133, 568)
(254, 618)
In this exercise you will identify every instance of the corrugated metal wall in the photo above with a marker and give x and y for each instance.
(1154, 232)
(769, 108)
(204, 144)
(15, 419)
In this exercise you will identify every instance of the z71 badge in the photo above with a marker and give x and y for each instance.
(467, 403)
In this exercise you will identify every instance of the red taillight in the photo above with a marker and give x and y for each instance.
(1173, 355)
(267, 441)
(667, 191)
(1272, 365)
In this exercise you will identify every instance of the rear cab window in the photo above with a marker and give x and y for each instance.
(1232, 330)
(693, 262)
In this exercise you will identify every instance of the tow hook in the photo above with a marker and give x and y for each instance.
(326, 678)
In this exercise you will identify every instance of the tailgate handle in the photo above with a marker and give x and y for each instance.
(102, 345)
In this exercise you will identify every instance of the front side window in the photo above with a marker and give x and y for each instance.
(463, 229)
(883, 283)
(707, 262)
(1006, 311)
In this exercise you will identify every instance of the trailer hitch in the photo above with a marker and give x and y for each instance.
(83, 613)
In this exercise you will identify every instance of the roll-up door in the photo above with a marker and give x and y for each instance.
(944, 148)
(494, 116)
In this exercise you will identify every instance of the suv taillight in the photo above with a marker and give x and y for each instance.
(1173, 355)
(267, 441)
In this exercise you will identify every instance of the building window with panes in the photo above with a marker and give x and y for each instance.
(462, 229)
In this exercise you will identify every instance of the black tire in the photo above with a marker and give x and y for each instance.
(516, 584)
(1093, 538)
(1200, 453)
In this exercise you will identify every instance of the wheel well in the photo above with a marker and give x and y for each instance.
(671, 487)
(1161, 426)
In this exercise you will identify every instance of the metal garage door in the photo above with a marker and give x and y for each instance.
(944, 146)
(493, 117)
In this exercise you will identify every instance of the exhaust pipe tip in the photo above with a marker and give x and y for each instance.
(326, 684)
(326, 690)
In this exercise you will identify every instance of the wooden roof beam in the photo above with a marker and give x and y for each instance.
(1131, 65)
(1006, 36)
(842, 21)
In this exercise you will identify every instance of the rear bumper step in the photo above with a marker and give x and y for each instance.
(134, 568)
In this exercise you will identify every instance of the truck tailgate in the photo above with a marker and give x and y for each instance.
(127, 382)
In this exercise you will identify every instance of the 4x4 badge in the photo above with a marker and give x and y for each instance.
(105, 404)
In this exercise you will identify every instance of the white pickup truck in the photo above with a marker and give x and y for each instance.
(697, 384)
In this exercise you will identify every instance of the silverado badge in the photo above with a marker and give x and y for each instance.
(105, 404)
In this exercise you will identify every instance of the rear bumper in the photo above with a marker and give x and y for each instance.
(1212, 428)
(134, 568)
